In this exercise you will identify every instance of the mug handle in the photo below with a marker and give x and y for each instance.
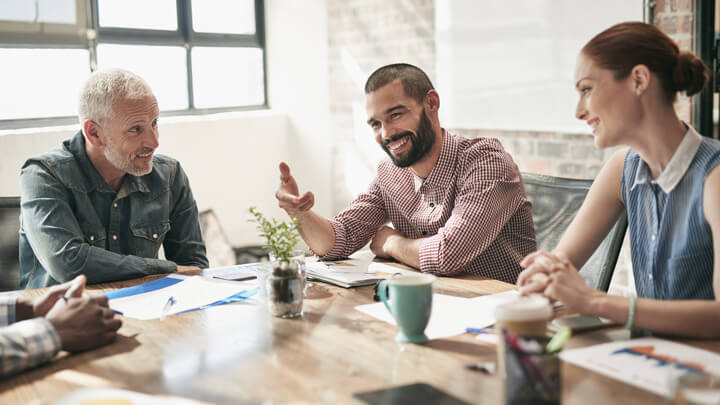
(383, 293)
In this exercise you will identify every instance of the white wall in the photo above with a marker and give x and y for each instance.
(297, 68)
(231, 159)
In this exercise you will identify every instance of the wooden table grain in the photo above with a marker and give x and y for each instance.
(240, 354)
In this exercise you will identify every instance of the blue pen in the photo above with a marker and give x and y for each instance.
(476, 330)
(170, 302)
(64, 298)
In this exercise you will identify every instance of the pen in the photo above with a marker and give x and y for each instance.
(476, 330)
(170, 302)
(64, 298)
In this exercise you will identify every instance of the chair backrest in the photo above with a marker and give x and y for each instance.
(9, 242)
(217, 245)
(555, 201)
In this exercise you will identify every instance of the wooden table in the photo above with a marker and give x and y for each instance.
(239, 354)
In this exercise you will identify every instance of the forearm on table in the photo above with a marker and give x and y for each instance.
(406, 251)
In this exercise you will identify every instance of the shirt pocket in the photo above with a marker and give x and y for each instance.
(147, 238)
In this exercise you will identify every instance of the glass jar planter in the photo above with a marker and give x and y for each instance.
(285, 287)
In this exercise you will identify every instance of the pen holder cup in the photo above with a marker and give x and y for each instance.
(532, 376)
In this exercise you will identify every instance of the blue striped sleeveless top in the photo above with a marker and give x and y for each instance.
(670, 240)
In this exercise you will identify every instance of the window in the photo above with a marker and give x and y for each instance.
(198, 55)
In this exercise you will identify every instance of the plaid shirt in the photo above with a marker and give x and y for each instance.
(471, 210)
(24, 344)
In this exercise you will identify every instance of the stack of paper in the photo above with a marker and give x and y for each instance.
(450, 315)
(151, 300)
(352, 272)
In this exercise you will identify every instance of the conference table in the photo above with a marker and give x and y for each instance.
(238, 353)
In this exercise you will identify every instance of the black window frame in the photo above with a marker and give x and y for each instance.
(184, 35)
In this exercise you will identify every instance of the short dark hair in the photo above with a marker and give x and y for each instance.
(625, 45)
(414, 81)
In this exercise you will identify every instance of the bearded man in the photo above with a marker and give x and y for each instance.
(457, 205)
(104, 203)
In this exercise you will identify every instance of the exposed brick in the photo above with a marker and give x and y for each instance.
(669, 24)
(572, 170)
(552, 149)
(687, 24)
(660, 6)
(685, 5)
(535, 166)
(592, 171)
(585, 151)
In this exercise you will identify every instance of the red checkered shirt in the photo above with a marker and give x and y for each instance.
(472, 211)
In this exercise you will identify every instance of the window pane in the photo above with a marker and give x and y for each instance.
(31, 90)
(163, 67)
(45, 11)
(224, 16)
(224, 77)
(500, 66)
(153, 14)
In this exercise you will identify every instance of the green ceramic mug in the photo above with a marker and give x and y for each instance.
(408, 297)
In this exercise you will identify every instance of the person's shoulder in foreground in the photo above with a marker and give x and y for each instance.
(104, 203)
(456, 205)
(32, 332)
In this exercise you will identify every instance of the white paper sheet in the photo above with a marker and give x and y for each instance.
(648, 363)
(192, 292)
(451, 315)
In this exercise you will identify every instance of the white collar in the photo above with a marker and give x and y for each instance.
(676, 168)
(418, 181)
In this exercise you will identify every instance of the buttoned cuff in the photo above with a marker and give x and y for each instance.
(338, 250)
(430, 254)
(157, 266)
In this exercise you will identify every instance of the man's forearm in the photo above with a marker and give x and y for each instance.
(406, 251)
(317, 232)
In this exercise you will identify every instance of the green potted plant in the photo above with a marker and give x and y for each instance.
(285, 284)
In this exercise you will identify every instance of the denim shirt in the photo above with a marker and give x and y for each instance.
(72, 222)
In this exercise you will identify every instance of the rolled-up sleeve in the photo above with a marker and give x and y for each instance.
(357, 224)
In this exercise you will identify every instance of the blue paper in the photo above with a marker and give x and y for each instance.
(143, 288)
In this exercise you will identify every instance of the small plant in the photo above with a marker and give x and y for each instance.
(280, 237)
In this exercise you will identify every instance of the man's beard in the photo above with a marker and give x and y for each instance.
(120, 162)
(421, 140)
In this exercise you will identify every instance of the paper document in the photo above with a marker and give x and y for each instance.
(648, 363)
(451, 315)
(153, 300)
(353, 272)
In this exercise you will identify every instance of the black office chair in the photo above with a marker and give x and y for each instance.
(9, 241)
(555, 201)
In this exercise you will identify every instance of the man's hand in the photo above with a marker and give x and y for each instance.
(189, 270)
(26, 308)
(288, 195)
(381, 244)
(84, 323)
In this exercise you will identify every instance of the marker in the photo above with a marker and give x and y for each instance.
(558, 340)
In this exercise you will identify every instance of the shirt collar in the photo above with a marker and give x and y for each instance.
(676, 168)
(445, 166)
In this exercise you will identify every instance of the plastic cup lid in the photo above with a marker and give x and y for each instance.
(524, 309)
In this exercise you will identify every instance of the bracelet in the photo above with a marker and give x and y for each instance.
(631, 313)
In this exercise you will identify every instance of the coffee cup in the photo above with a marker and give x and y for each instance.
(408, 297)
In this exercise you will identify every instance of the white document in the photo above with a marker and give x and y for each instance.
(451, 315)
(648, 363)
(191, 293)
(352, 272)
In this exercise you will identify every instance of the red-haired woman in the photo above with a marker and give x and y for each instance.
(667, 181)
